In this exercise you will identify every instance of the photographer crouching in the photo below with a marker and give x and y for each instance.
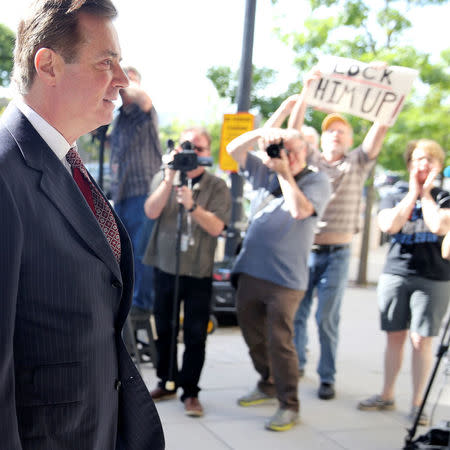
(271, 268)
(207, 203)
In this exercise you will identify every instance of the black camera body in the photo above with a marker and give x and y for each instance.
(184, 161)
(188, 160)
(273, 150)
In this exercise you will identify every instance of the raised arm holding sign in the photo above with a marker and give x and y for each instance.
(370, 91)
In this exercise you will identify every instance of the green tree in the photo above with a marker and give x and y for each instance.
(226, 83)
(6, 51)
(367, 32)
(375, 31)
(354, 29)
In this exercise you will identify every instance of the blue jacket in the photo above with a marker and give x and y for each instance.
(66, 379)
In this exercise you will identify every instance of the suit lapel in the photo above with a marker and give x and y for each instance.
(59, 186)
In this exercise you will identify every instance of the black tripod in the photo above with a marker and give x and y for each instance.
(170, 383)
(411, 444)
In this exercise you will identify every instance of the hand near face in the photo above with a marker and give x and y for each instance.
(415, 187)
(270, 136)
(429, 182)
(279, 165)
(169, 174)
(423, 171)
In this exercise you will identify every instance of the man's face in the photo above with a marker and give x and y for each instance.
(336, 140)
(200, 146)
(89, 85)
(296, 152)
(199, 143)
(423, 163)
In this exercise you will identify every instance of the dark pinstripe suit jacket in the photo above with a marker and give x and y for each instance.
(66, 379)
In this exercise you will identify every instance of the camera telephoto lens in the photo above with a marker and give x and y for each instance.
(273, 150)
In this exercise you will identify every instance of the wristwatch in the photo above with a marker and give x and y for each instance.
(193, 208)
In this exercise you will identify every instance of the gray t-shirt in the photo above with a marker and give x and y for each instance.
(276, 246)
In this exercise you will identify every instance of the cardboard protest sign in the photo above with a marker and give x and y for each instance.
(362, 90)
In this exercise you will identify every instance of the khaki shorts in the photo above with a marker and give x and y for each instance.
(412, 302)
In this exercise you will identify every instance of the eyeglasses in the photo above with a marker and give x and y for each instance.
(190, 146)
(428, 159)
(200, 149)
(295, 150)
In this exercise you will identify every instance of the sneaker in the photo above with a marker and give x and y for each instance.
(255, 397)
(376, 403)
(282, 420)
(162, 394)
(193, 407)
(326, 391)
(423, 419)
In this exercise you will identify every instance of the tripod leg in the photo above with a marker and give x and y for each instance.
(170, 383)
(443, 348)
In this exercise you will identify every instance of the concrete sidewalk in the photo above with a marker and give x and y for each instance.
(329, 425)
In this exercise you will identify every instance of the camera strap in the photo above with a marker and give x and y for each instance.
(187, 239)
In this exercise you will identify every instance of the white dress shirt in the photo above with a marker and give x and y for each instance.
(54, 139)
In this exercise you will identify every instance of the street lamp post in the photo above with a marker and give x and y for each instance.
(245, 84)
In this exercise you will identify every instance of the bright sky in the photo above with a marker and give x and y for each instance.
(174, 42)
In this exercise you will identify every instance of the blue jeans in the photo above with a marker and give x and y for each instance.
(328, 273)
(139, 228)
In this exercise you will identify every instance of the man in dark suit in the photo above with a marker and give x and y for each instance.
(66, 266)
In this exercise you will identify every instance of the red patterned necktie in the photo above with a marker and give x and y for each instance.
(96, 201)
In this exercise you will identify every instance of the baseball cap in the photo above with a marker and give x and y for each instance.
(334, 117)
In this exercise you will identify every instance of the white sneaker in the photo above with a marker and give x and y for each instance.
(282, 420)
(255, 397)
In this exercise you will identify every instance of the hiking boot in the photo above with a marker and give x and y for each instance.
(255, 397)
(423, 419)
(282, 420)
(376, 403)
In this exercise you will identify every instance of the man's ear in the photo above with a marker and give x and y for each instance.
(45, 63)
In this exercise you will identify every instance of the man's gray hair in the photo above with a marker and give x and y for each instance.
(292, 133)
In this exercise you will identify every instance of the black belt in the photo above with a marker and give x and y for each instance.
(325, 248)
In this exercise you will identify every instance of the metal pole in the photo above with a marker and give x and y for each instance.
(365, 238)
(244, 89)
(245, 73)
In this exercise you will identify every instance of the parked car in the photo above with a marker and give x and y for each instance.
(386, 178)
(384, 181)
(223, 293)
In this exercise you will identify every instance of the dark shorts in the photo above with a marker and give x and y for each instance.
(412, 302)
